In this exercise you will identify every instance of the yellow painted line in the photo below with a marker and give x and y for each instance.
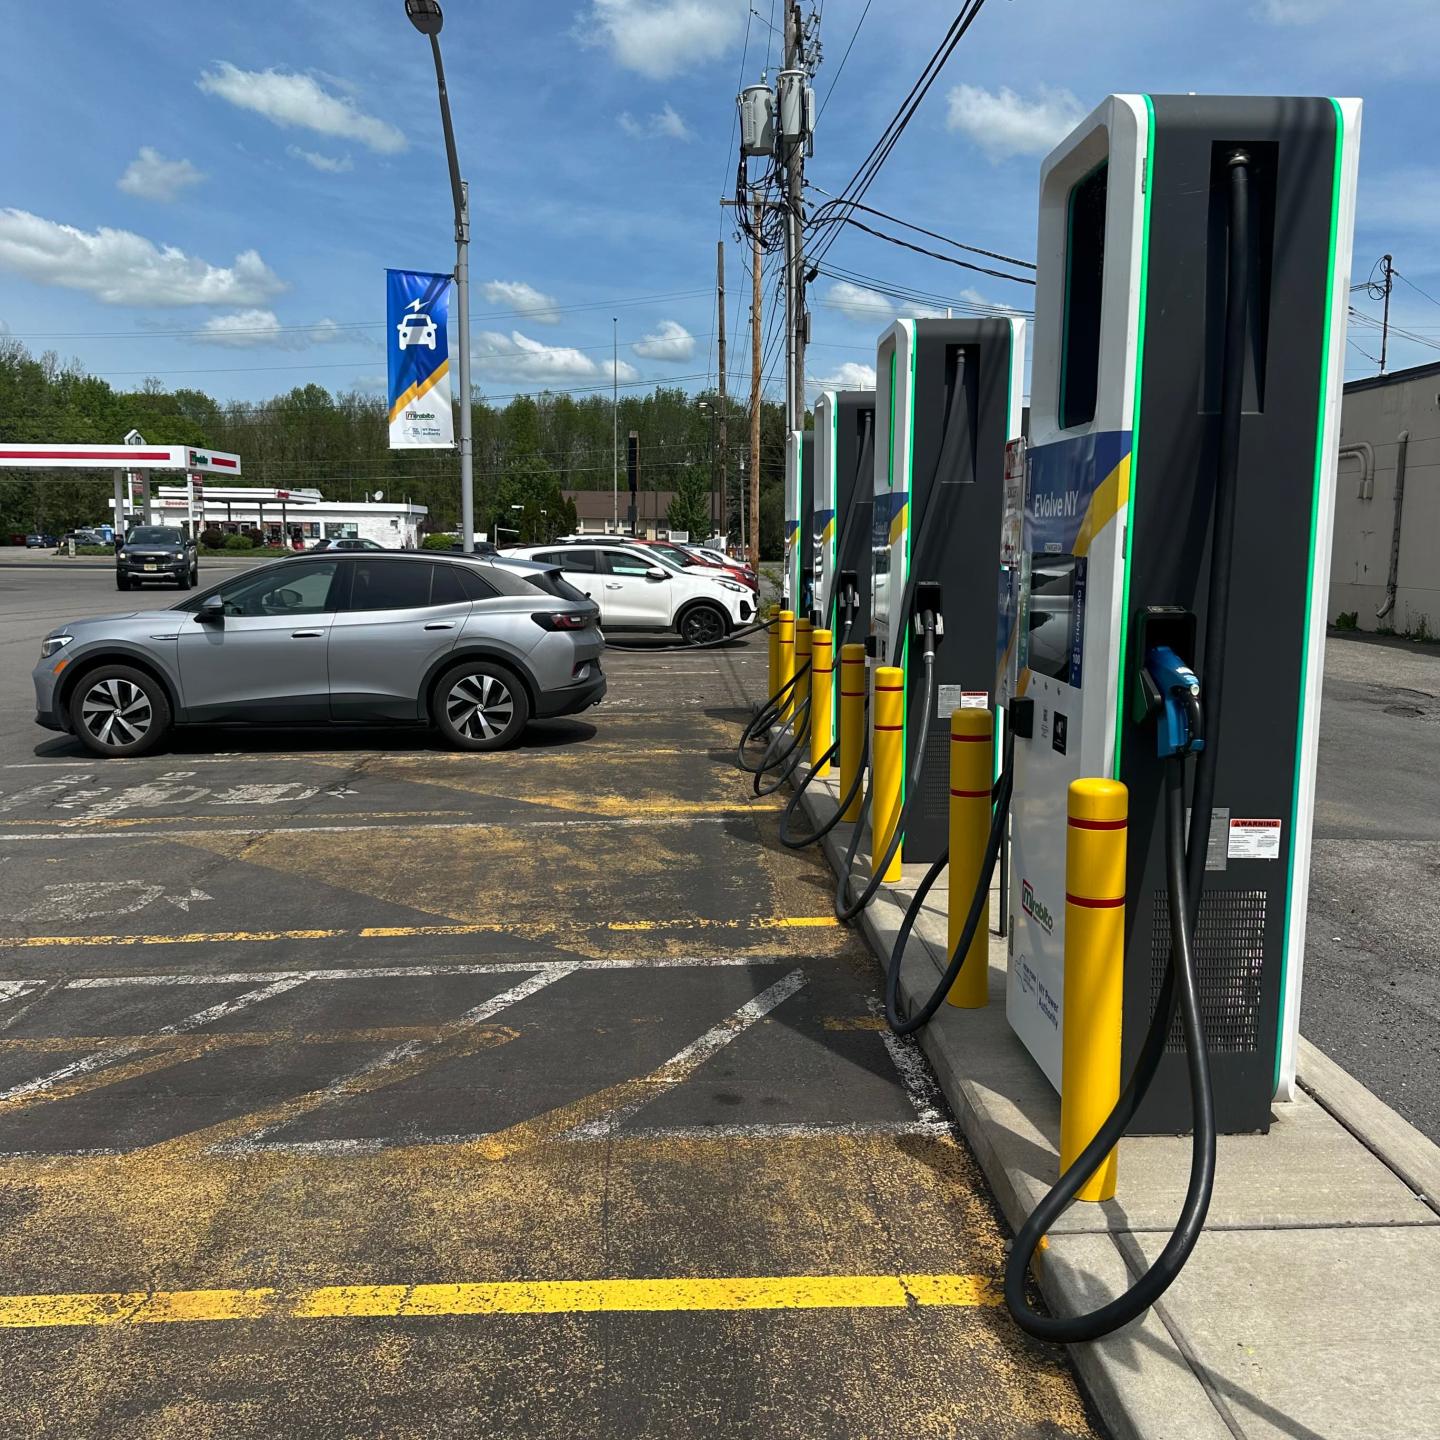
(511, 1297)
(391, 932)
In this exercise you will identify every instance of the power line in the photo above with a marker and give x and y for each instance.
(921, 230)
(327, 326)
(870, 167)
(935, 254)
(840, 70)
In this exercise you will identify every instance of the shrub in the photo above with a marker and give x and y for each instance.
(94, 549)
(212, 537)
(1348, 620)
(239, 542)
(438, 541)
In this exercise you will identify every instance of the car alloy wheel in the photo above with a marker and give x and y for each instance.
(479, 706)
(703, 626)
(116, 712)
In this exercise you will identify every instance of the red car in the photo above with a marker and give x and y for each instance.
(688, 555)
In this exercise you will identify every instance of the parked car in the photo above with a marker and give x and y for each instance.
(157, 552)
(738, 569)
(639, 588)
(81, 537)
(40, 542)
(475, 647)
(321, 545)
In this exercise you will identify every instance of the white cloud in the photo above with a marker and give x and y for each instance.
(152, 177)
(858, 303)
(327, 164)
(291, 100)
(122, 268)
(247, 329)
(670, 341)
(665, 124)
(1002, 124)
(870, 306)
(518, 358)
(852, 375)
(523, 299)
(660, 37)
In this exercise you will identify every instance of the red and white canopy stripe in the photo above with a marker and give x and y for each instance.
(118, 457)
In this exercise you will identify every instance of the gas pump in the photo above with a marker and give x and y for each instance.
(947, 402)
(1194, 256)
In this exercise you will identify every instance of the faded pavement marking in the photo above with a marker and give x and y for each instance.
(511, 1297)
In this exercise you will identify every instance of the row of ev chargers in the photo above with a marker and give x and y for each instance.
(1108, 530)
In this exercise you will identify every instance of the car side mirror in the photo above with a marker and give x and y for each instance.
(211, 611)
(656, 573)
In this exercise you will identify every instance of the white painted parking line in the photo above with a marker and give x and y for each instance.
(405, 972)
(686, 1062)
(355, 1079)
(620, 822)
(99, 1058)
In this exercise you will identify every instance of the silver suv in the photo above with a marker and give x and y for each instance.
(473, 646)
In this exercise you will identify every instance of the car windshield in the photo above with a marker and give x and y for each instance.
(675, 555)
(153, 535)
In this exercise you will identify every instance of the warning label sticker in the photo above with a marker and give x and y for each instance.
(1254, 840)
(956, 697)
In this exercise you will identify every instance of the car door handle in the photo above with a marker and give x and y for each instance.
(441, 625)
(615, 586)
(306, 634)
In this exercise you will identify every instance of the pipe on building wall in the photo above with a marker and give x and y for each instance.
(1392, 581)
(1364, 452)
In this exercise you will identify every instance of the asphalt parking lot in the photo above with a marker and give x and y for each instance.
(352, 1086)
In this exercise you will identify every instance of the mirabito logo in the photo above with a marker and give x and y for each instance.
(1036, 908)
(419, 414)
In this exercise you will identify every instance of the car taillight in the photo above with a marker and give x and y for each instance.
(563, 619)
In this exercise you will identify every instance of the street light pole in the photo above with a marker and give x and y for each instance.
(426, 17)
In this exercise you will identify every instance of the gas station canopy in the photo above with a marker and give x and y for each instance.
(118, 457)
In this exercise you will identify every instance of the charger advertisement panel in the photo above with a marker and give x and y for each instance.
(417, 349)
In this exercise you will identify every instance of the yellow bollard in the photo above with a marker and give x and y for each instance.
(1094, 972)
(803, 646)
(773, 635)
(785, 645)
(972, 749)
(852, 723)
(887, 764)
(822, 700)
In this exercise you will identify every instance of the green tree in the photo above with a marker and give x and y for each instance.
(690, 509)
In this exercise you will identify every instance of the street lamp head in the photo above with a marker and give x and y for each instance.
(425, 16)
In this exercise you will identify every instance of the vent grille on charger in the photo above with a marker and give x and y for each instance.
(1230, 958)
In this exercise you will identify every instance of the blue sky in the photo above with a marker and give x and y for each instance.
(210, 193)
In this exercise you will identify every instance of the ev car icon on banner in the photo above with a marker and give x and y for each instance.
(417, 306)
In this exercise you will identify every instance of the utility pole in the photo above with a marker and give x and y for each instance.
(717, 518)
(792, 131)
(615, 422)
(1386, 260)
(756, 261)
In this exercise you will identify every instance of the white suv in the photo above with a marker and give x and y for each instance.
(638, 589)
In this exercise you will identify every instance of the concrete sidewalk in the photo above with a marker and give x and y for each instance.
(1308, 1308)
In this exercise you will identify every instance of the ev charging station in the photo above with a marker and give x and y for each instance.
(948, 400)
(1135, 250)
(797, 582)
(844, 450)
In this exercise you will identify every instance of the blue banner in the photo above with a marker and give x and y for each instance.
(417, 352)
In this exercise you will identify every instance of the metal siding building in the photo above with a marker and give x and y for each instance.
(1385, 565)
